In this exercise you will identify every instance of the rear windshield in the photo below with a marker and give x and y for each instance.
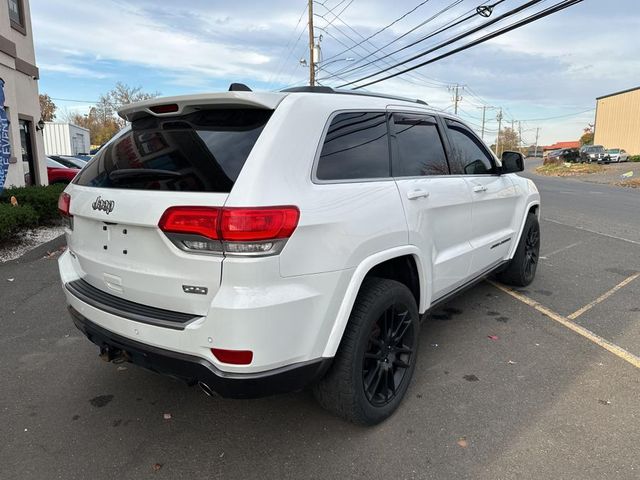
(200, 152)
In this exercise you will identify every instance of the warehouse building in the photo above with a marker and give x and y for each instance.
(19, 73)
(66, 139)
(618, 121)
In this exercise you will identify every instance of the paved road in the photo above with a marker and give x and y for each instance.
(601, 208)
(541, 401)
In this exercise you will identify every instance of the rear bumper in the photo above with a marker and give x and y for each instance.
(192, 369)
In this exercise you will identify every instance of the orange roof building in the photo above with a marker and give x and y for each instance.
(561, 145)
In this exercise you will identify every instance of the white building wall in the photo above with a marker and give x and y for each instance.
(65, 139)
(56, 139)
(80, 139)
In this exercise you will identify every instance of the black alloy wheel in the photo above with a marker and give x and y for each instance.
(389, 355)
(521, 270)
(377, 356)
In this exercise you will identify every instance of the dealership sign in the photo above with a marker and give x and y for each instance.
(5, 147)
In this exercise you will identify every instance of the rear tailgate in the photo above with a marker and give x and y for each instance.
(123, 252)
(188, 159)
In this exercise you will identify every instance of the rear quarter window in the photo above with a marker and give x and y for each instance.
(199, 152)
(356, 146)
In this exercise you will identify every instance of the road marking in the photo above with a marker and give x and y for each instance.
(592, 231)
(588, 334)
(561, 250)
(603, 297)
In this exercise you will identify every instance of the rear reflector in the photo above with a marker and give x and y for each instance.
(64, 203)
(168, 108)
(234, 357)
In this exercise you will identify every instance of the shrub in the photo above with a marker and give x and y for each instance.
(43, 200)
(634, 158)
(14, 219)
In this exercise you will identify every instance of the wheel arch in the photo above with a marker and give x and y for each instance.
(533, 206)
(381, 264)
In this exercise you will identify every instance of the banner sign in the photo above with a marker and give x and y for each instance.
(5, 147)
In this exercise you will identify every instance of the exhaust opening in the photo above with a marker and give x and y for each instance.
(206, 389)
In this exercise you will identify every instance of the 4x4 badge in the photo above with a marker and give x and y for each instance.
(104, 205)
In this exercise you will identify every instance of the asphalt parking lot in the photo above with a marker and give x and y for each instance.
(539, 383)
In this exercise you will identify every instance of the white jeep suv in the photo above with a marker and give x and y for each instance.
(257, 243)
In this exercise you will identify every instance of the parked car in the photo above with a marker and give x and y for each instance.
(617, 155)
(564, 155)
(69, 162)
(593, 153)
(58, 173)
(333, 244)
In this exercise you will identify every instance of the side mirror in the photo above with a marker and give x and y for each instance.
(512, 162)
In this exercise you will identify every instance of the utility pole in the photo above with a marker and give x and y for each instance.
(484, 117)
(456, 97)
(535, 152)
(519, 136)
(499, 118)
(312, 41)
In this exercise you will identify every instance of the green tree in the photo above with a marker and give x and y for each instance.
(47, 108)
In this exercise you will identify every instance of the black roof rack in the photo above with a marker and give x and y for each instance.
(323, 89)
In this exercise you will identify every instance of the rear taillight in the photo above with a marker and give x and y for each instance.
(191, 220)
(253, 224)
(253, 231)
(64, 204)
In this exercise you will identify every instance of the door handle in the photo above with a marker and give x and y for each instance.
(479, 188)
(414, 194)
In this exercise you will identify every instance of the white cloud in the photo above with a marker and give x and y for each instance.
(548, 68)
(125, 34)
(71, 70)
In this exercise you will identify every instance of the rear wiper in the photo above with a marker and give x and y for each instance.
(142, 173)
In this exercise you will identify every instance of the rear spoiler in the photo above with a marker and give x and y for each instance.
(169, 106)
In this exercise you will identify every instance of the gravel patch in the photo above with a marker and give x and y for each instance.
(28, 240)
(613, 172)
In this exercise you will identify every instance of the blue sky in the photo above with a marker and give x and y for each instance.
(554, 67)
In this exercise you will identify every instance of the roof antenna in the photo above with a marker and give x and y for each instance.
(239, 87)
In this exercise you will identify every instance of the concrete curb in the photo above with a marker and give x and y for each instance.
(39, 251)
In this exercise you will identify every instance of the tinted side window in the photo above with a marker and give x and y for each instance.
(356, 146)
(468, 154)
(420, 149)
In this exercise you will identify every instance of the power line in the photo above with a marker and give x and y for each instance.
(452, 40)
(289, 50)
(353, 68)
(303, 31)
(531, 18)
(457, 21)
(558, 116)
(336, 15)
(378, 32)
(368, 51)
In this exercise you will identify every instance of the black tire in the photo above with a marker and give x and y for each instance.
(521, 270)
(381, 305)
